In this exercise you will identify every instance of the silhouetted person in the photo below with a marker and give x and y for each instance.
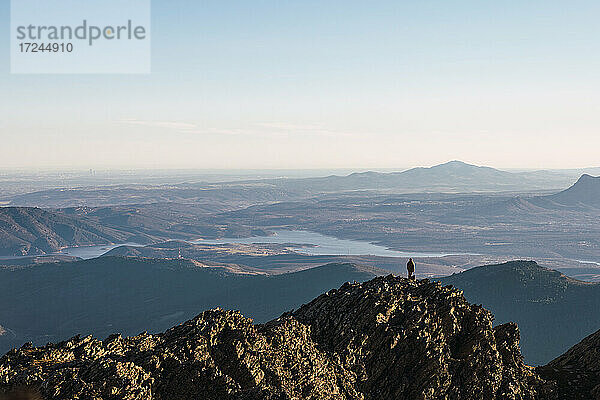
(410, 267)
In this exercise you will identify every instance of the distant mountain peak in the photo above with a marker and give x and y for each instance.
(455, 163)
(464, 167)
(585, 192)
(585, 178)
(365, 173)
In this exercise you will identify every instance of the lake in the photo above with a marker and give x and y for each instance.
(320, 245)
(324, 245)
(87, 252)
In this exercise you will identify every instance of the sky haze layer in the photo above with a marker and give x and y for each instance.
(325, 84)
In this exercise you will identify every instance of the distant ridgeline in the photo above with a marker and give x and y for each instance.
(33, 231)
(553, 311)
(129, 295)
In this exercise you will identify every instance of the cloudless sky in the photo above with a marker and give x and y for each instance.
(325, 84)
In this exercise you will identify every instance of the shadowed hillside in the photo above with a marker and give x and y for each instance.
(33, 231)
(584, 193)
(553, 311)
(52, 302)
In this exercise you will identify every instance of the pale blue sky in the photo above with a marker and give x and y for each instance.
(324, 84)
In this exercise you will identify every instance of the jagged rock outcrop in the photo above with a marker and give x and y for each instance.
(389, 338)
(217, 355)
(419, 340)
(577, 372)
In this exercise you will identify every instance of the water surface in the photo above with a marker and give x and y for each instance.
(324, 245)
(306, 242)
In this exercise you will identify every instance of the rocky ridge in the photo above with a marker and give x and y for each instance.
(577, 372)
(387, 338)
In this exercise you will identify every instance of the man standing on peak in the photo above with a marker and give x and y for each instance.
(410, 266)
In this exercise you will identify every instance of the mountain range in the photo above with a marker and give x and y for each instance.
(451, 177)
(31, 231)
(186, 211)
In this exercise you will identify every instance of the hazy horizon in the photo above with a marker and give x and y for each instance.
(272, 171)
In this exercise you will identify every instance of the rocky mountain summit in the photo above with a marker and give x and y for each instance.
(388, 338)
